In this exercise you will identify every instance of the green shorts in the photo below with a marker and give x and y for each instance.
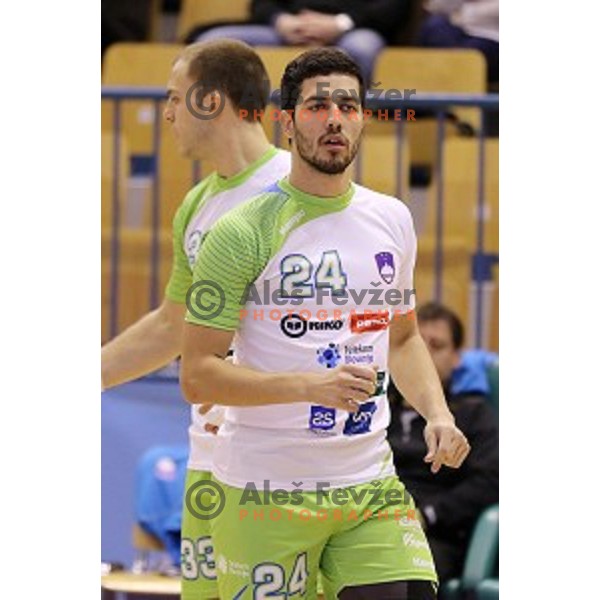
(273, 545)
(198, 568)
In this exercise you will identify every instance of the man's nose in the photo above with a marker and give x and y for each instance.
(168, 114)
(334, 117)
(334, 125)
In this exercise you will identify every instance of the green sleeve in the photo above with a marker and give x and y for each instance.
(181, 273)
(233, 255)
(228, 263)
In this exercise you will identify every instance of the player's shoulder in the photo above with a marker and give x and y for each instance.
(384, 203)
(276, 167)
(192, 200)
(197, 193)
(258, 213)
(283, 159)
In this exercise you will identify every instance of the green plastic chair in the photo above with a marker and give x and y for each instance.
(482, 557)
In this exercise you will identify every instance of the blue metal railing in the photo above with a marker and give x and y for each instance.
(438, 104)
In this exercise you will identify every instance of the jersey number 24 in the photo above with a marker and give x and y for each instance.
(297, 280)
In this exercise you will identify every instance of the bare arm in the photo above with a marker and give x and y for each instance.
(415, 376)
(207, 378)
(145, 346)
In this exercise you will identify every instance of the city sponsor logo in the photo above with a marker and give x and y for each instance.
(295, 325)
(369, 321)
(358, 354)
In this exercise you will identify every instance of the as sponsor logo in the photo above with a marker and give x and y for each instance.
(295, 326)
(367, 321)
(322, 418)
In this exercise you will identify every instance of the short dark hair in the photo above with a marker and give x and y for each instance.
(434, 311)
(312, 63)
(233, 68)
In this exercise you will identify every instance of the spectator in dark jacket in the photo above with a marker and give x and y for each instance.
(464, 24)
(360, 27)
(450, 501)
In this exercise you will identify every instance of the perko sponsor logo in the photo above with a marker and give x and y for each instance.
(363, 322)
(295, 326)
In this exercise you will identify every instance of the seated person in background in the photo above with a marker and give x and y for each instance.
(464, 24)
(450, 501)
(360, 27)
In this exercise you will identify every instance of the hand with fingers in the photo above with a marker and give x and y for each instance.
(344, 387)
(446, 444)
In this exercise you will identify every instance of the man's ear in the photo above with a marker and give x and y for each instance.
(210, 103)
(287, 123)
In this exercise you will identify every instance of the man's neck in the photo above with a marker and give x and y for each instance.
(307, 179)
(235, 148)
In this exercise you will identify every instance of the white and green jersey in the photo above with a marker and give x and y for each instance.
(308, 283)
(201, 209)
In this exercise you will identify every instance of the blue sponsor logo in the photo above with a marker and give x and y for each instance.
(360, 422)
(322, 418)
